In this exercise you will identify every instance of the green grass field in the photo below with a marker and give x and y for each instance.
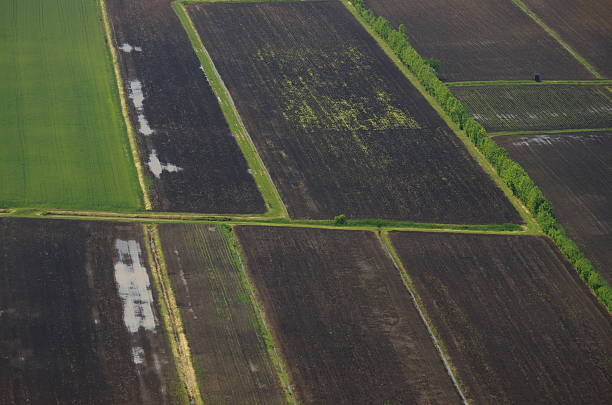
(63, 141)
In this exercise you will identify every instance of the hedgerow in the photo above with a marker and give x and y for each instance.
(510, 172)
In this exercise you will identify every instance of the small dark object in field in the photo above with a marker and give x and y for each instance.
(536, 78)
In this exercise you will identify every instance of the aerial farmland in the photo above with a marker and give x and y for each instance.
(305, 202)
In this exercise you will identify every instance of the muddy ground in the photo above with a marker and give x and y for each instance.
(519, 325)
(78, 317)
(186, 148)
(344, 320)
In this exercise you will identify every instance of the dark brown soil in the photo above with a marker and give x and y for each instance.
(586, 25)
(573, 172)
(228, 351)
(519, 325)
(339, 127)
(190, 131)
(481, 40)
(343, 318)
(63, 334)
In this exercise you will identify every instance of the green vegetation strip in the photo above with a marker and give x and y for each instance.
(171, 316)
(63, 137)
(554, 131)
(558, 38)
(264, 182)
(264, 332)
(418, 303)
(529, 82)
(515, 177)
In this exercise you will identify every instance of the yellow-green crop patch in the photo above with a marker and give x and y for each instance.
(62, 138)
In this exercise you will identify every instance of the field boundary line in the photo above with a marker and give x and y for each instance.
(557, 37)
(261, 175)
(171, 315)
(594, 82)
(272, 347)
(124, 110)
(544, 131)
(387, 245)
(472, 150)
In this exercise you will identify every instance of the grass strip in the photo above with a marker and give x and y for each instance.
(387, 245)
(278, 361)
(171, 315)
(273, 201)
(124, 110)
(554, 131)
(516, 179)
(558, 38)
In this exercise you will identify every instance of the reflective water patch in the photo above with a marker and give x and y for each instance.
(156, 167)
(127, 48)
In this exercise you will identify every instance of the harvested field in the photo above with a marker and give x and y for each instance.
(586, 25)
(538, 107)
(192, 160)
(339, 127)
(573, 172)
(229, 354)
(518, 324)
(480, 40)
(63, 142)
(78, 318)
(343, 318)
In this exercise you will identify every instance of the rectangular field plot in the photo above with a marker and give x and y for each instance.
(63, 142)
(480, 40)
(517, 323)
(343, 319)
(339, 127)
(585, 25)
(573, 172)
(538, 107)
(78, 317)
(188, 152)
(228, 352)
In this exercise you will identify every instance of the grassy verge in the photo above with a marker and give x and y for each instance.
(491, 156)
(264, 331)
(558, 38)
(554, 131)
(171, 316)
(418, 302)
(274, 203)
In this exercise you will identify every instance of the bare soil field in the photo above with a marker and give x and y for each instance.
(538, 107)
(483, 40)
(586, 25)
(519, 325)
(78, 318)
(193, 162)
(573, 172)
(344, 321)
(339, 127)
(229, 354)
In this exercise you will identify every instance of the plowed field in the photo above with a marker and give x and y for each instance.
(538, 107)
(519, 325)
(573, 172)
(186, 147)
(229, 354)
(343, 319)
(78, 317)
(339, 127)
(480, 40)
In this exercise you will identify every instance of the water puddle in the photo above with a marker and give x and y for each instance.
(134, 287)
(127, 48)
(544, 139)
(138, 355)
(136, 94)
(156, 167)
(144, 129)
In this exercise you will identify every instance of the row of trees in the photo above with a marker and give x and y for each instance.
(511, 172)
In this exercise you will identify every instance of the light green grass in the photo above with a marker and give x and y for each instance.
(62, 139)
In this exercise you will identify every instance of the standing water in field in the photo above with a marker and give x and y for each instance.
(137, 96)
(157, 167)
